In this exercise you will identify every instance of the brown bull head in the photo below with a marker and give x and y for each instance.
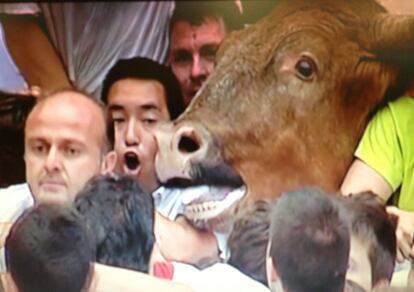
(290, 97)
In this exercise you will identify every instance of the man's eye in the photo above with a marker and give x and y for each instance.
(209, 52)
(118, 120)
(39, 149)
(70, 151)
(149, 122)
(182, 57)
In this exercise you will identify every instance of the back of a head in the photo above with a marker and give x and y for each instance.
(146, 69)
(370, 222)
(48, 249)
(197, 12)
(248, 241)
(309, 242)
(120, 215)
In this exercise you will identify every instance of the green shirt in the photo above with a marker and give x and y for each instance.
(388, 147)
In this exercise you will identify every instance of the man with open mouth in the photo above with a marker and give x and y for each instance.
(140, 94)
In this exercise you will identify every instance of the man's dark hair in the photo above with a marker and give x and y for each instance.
(309, 242)
(370, 222)
(248, 241)
(48, 249)
(120, 215)
(146, 69)
(197, 12)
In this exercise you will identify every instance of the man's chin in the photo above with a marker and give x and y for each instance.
(55, 196)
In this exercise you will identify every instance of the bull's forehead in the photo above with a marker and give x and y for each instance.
(320, 27)
(328, 20)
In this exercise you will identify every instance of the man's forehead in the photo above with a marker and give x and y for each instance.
(209, 31)
(71, 122)
(138, 94)
(67, 106)
(62, 130)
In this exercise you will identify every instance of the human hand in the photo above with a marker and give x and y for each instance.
(404, 233)
(33, 90)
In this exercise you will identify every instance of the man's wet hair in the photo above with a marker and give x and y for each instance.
(197, 12)
(48, 249)
(248, 240)
(146, 69)
(120, 216)
(370, 222)
(310, 241)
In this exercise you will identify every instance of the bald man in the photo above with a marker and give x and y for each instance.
(65, 145)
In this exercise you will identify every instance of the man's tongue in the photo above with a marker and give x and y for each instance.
(131, 163)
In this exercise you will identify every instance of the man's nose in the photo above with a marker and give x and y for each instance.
(198, 68)
(131, 134)
(53, 160)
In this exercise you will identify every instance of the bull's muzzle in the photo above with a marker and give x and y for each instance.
(180, 148)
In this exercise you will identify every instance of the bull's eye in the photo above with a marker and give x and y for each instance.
(305, 68)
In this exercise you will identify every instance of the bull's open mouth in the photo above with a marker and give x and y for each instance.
(220, 200)
(213, 194)
(211, 207)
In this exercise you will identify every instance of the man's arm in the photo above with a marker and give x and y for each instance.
(361, 177)
(33, 53)
(179, 241)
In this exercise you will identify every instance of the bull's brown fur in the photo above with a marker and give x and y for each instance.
(280, 132)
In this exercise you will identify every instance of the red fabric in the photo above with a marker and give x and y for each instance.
(164, 270)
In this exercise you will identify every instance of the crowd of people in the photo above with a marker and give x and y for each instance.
(92, 215)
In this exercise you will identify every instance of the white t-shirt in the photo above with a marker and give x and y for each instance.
(168, 202)
(90, 37)
(14, 200)
(218, 277)
(11, 79)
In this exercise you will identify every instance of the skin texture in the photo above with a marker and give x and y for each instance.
(136, 107)
(286, 105)
(64, 146)
(193, 53)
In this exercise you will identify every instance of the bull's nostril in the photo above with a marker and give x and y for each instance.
(188, 145)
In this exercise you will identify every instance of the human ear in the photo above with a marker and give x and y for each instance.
(271, 272)
(274, 282)
(109, 162)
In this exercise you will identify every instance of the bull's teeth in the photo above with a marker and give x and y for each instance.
(207, 206)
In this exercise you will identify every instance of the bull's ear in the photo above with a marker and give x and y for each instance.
(392, 37)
